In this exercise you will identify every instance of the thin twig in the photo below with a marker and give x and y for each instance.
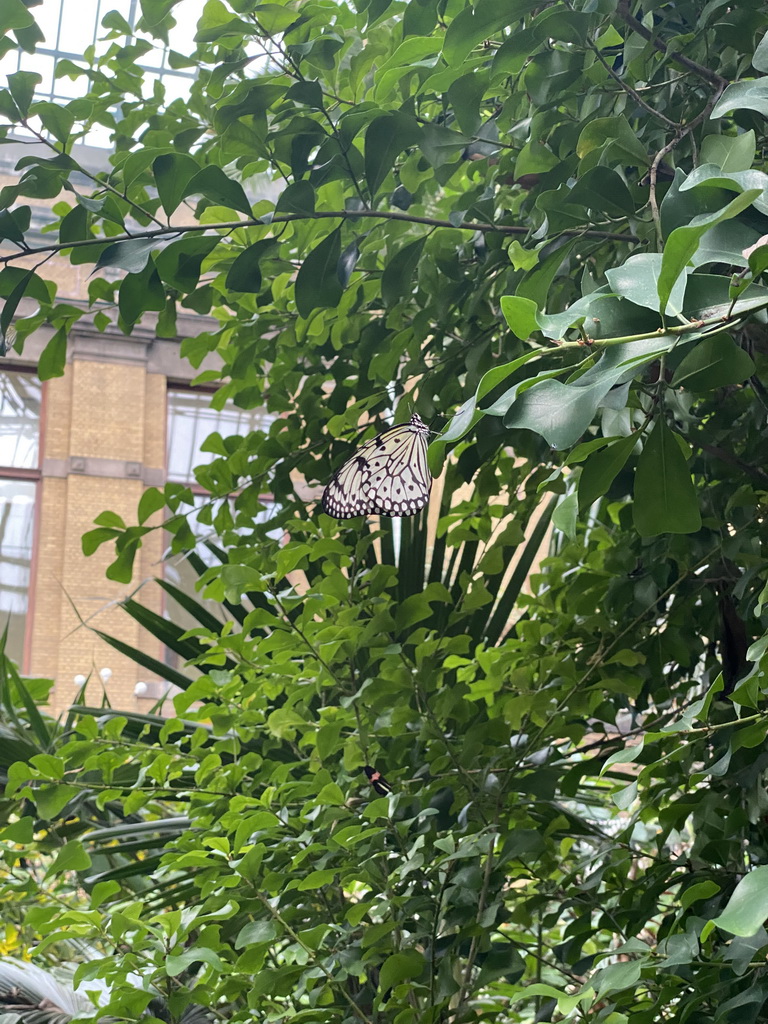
(678, 137)
(92, 177)
(471, 957)
(628, 88)
(312, 953)
(698, 69)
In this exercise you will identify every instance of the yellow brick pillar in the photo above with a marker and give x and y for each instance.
(103, 443)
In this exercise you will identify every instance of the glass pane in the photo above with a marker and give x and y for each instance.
(19, 420)
(78, 25)
(17, 506)
(191, 419)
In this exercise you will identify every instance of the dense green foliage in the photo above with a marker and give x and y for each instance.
(543, 228)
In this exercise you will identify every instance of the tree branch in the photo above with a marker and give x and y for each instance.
(698, 69)
(284, 218)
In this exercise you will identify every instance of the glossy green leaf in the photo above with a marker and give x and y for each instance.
(665, 499)
(638, 281)
(684, 241)
(54, 356)
(218, 188)
(173, 173)
(746, 95)
(398, 278)
(400, 967)
(474, 24)
(140, 293)
(729, 153)
(245, 273)
(747, 908)
(131, 255)
(602, 467)
(14, 15)
(71, 857)
(298, 197)
(56, 119)
(317, 282)
(179, 263)
(714, 362)
(22, 85)
(385, 139)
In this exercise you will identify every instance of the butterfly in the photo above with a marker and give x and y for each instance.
(387, 476)
(377, 780)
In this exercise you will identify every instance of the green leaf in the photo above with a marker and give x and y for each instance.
(245, 273)
(54, 356)
(13, 223)
(93, 539)
(400, 967)
(537, 284)
(562, 412)
(601, 469)
(317, 282)
(474, 24)
(174, 965)
(13, 14)
(58, 120)
(179, 263)
(298, 197)
(331, 794)
(747, 909)
(698, 891)
(173, 173)
(602, 189)
(385, 139)
(760, 56)
(217, 187)
(729, 152)
(637, 280)
(22, 85)
(51, 800)
(664, 497)
(153, 665)
(256, 932)
(131, 255)
(140, 293)
(71, 857)
(24, 281)
(74, 226)
(684, 241)
(316, 879)
(747, 95)
(564, 516)
(20, 831)
(616, 134)
(520, 314)
(152, 501)
(714, 362)
(397, 281)
(441, 145)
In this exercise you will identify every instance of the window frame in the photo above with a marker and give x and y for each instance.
(36, 476)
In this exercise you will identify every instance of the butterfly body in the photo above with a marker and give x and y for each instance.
(387, 476)
(377, 780)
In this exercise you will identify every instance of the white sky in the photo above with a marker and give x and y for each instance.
(70, 26)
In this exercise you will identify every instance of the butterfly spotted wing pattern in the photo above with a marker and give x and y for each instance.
(377, 780)
(387, 476)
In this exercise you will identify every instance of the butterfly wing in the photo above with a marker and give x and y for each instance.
(377, 780)
(387, 476)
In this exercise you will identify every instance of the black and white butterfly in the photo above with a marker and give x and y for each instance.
(387, 476)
